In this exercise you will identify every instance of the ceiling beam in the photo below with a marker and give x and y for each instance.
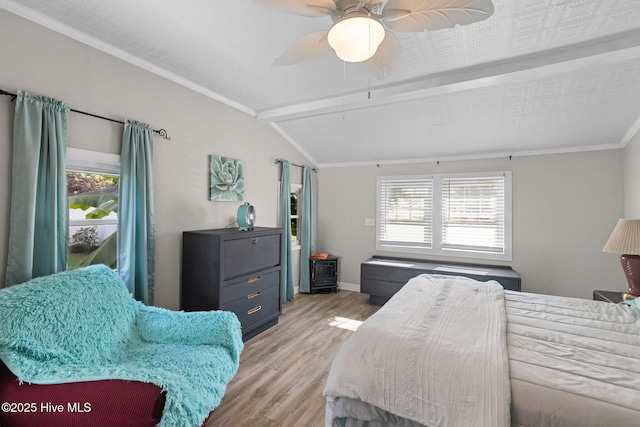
(605, 50)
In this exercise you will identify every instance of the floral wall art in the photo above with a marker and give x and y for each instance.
(226, 179)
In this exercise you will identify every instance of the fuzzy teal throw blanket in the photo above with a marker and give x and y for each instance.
(83, 325)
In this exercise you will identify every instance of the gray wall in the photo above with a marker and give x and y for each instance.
(44, 62)
(632, 178)
(564, 208)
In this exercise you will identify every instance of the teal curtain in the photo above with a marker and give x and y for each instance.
(306, 232)
(136, 222)
(38, 226)
(287, 292)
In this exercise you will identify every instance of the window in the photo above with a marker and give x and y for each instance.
(405, 209)
(466, 215)
(92, 185)
(295, 218)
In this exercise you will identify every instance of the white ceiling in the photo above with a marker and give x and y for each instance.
(539, 76)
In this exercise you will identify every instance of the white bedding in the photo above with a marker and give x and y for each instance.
(436, 354)
(572, 362)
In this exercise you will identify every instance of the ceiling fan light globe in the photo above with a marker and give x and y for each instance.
(356, 38)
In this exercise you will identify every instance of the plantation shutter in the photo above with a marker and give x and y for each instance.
(473, 213)
(405, 212)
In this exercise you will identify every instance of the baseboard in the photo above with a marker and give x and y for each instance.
(349, 287)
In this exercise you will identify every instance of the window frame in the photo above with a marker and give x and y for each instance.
(436, 247)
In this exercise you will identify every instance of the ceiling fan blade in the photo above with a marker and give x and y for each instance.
(307, 47)
(301, 7)
(386, 57)
(420, 15)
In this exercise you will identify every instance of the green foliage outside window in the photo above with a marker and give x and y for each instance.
(84, 240)
(100, 192)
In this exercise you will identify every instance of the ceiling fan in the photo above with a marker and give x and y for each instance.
(363, 29)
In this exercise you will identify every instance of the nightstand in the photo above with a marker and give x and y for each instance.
(607, 296)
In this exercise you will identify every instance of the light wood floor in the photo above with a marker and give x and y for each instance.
(283, 371)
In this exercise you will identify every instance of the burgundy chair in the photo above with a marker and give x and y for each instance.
(106, 403)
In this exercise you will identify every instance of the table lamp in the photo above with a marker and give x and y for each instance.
(625, 240)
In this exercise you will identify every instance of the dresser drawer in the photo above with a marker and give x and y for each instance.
(379, 287)
(250, 287)
(256, 310)
(388, 274)
(247, 255)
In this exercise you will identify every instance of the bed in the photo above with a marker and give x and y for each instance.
(451, 351)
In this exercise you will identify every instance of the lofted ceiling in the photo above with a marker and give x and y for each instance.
(539, 76)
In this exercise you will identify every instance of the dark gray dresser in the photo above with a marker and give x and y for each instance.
(239, 271)
(382, 277)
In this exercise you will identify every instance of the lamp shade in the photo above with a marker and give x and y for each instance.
(625, 238)
(356, 37)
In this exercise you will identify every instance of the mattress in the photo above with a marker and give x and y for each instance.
(572, 362)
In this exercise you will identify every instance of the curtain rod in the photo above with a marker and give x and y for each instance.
(293, 164)
(161, 132)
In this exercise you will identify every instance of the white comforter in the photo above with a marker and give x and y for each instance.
(436, 353)
(573, 362)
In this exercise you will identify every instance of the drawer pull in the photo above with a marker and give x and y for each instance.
(254, 279)
(254, 309)
(253, 295)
